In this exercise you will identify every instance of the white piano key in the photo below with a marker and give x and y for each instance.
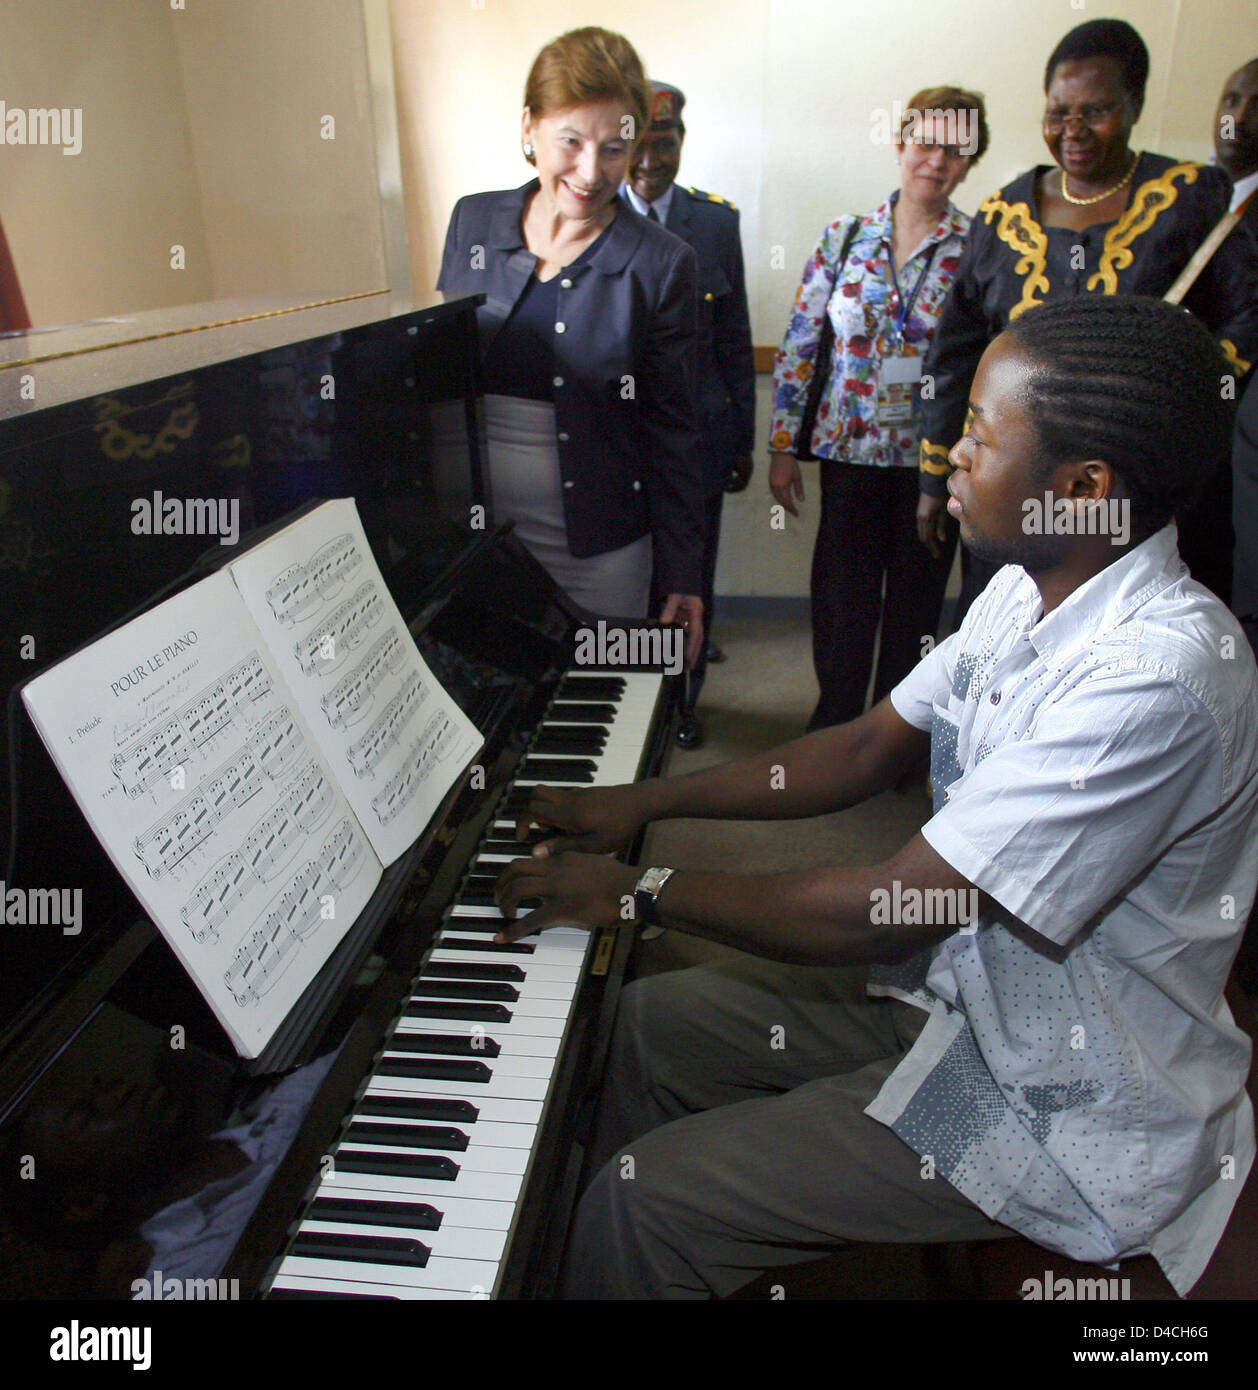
(505, 1085)
(496, 1109)
(476, 1158)
(459, 1242)
(467, 1212)
(525, 989)
(494, 1187)
(561, 972)
(509, 1044)
(350, 1286)
(487, 1134)
(526, 1025)
(500, 1066)
(437, 1274)
(523, 1007)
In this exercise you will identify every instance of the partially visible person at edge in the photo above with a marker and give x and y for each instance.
(1102, 219)
(726, 368)
(1236, 137)
(882, 280)
(587, 336)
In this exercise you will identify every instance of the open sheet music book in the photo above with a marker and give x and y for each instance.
(252, 753)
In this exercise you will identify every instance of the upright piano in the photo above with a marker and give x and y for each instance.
(418, 1133)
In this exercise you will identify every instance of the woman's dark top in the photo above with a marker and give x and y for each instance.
(521, 359)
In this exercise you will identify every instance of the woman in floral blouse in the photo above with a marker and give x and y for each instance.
(882, 280)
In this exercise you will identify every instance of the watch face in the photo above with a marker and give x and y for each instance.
(652, 879)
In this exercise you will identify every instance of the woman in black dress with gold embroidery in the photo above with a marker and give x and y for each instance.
(1104, 219)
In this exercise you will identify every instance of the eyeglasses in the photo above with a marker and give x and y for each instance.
(1092, 116)
(950, 151)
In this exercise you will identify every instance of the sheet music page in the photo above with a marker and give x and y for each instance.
(206, 788)
(396, 741)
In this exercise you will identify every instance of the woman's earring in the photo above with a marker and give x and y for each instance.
(528, 150)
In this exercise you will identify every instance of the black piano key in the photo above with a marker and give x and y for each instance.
(566, 734)
(435, 1167)
(460, 970)
(430, 1044)
(469, 943)
(591, 745)
(518, 849)
(359, 1211)
(466, 989)
(479, 878)
(389, 1250)
(476, 897)
(462, 1112)
(580, 711)
(480, 925)
(469, 1012)
(406, 1136)
(515, 803)
(575, 687)
(436, 1069)
(558, 769)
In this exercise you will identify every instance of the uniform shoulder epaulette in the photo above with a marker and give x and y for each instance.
(711, 198)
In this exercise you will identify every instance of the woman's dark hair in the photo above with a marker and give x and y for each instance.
(1136, 382)
(1105, 38)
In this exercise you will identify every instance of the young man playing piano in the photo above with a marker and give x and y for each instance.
(1045, 1048)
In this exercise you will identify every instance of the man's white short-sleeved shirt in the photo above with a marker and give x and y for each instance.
(1096, 775)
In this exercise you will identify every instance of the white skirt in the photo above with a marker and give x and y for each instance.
(525, 487)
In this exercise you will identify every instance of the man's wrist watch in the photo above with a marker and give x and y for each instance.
(646, 894)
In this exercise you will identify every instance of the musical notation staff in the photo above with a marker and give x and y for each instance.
(437, 737)
(303, 904)
(365, 755)
(349, 700)
(344, 630)
(147, 760)
(302, 589)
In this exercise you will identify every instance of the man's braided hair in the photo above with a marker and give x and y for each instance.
(1136, 382)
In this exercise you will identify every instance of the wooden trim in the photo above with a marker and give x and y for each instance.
(764, 359)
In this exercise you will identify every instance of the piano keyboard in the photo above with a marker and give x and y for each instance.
(428, 1176)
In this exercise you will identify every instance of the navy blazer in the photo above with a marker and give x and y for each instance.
(726, 365)
(625, 413)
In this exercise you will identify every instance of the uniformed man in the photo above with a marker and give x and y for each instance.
(1236, 137)
(726, 368)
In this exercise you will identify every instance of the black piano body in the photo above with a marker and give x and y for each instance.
(122, 1103)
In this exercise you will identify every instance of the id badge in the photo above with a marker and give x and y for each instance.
(899, 375)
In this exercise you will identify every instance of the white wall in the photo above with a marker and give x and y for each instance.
(91, 233)
(202, 128)
(781, 98)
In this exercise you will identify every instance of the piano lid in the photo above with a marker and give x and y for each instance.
(261, 416)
